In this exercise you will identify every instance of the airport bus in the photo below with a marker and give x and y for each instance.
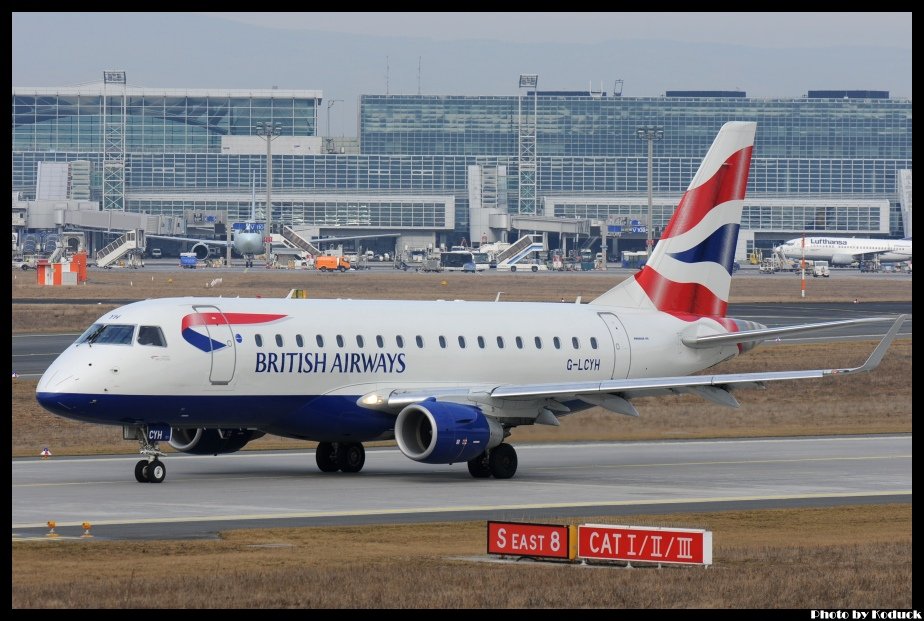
(457, 261)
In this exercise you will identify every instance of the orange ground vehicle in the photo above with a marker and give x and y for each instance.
(329, 264)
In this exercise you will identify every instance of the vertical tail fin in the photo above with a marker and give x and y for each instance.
(253, 197)
(689, 270)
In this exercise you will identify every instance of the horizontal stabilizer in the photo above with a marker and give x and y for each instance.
(763, 334)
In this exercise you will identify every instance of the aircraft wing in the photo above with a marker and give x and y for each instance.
(614, 395)
(191, 240)
(322, 240)
(747, 336)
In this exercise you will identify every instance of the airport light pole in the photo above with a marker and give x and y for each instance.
(330, 104)
(650, 133)
(269, 131)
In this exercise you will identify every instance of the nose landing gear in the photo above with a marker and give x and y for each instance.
(151, 469)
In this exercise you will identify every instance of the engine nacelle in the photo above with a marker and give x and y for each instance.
(212, 441)
(435, 432)
(843, 259)
(202, 251)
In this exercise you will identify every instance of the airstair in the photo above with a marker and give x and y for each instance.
(55, 256)
(292, 239)
(131, 241)
(518, 250)
(784, 263)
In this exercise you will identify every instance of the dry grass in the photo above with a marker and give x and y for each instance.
(843, 557)
(545, 287)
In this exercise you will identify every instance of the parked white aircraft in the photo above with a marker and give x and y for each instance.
(447, 380)
(848, 250)
(247, 238)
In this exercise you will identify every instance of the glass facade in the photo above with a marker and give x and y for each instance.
(154, 121)
(411, 145)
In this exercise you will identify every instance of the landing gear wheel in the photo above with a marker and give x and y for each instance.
(156, 471)
(352, 457)
(140, 474)
(503, 461)
(480, 468)
(326, 457)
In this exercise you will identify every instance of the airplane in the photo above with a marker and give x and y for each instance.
(448, 380)
(247, 241)
(848, 250)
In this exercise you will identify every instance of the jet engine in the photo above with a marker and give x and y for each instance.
(212, 441)
(202, 251)
(434, 432)
(843, 259)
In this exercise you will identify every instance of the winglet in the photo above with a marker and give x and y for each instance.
(876, 357)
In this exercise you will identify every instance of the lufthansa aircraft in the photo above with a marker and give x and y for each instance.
(447, 379)
(848, 250)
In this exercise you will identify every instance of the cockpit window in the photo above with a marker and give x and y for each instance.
(151, 335)
(108, 334)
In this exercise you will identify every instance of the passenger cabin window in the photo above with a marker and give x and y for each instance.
(593, 342)
(519, 343)
(339, 340)
(443, 342)
(481, 342)
(380, 341)
(574, 342)
(399, 341)
(556, 342)
(320, 340)
(258, 340)
(108, 334)
(419, 340)
(538, 342)
(500, 342)
(279, 340)
(151, 335)
(359, 341)
(462, 342)
(299, 340)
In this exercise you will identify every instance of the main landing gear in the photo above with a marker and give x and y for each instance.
(151, 469)
(343, 456)
(499, 462)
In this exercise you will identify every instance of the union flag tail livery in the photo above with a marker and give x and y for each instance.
(448, 381)
(689, 271)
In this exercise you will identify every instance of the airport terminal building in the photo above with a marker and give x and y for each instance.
(478, 168)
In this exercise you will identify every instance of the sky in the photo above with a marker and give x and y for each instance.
(348, 54)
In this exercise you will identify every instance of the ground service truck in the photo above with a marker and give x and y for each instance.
(329, 264)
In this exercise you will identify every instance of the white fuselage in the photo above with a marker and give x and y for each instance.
(248, 243)
(847, 250)
(258, 362)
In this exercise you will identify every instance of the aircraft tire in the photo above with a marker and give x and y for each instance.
(140, 474)
(352, 457)
(325, 457)
(480, 467)
(156, 471)
(503, 461)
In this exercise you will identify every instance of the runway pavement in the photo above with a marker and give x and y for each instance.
(205, 494)
(33, 353)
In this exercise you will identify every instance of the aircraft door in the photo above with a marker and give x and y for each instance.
(622, 354)
(221, 343)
